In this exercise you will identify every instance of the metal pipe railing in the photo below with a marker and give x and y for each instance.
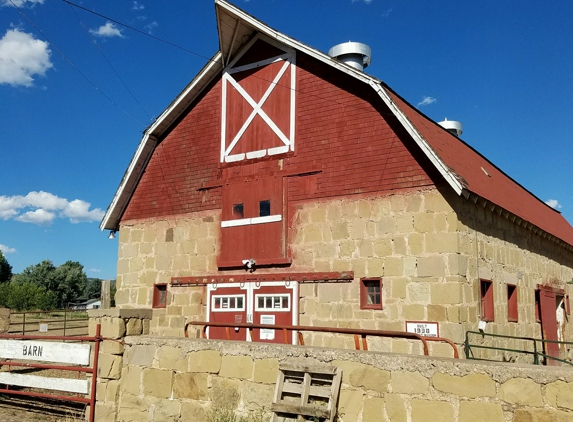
(359, 334)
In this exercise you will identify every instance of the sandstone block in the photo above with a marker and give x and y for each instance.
(225, 392)
(540, 415)
(409, 383)
(109, 366)
(433, 266)
(413, 312)
(395, 408)
(112, 327)
(236, 367)
(104, 412)
(521, 391)
(474, 385)
(416, 243)
(190, 386)
(130, 381)
(398, 288)
(440, 411)
(133, 327)
(446, 293)
(559, 394)
(157, 382)
(424, 222)
(382, 246)
(370, 378)
(266, 370)
(254, 394)
(193, 411)
(172, 358)
(480, 412)
(393, 266)
(373, 410)
(340, 231)
(442, 242)
(350, 404)
(436, 313)
(132, 408)
(140, 355)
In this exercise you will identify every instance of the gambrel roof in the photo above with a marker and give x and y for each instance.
(466, 171)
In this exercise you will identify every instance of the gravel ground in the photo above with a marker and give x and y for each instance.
(20, 409)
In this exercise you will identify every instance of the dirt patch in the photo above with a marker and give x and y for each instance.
(23, 409)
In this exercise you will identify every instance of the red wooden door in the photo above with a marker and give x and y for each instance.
(273, 305)
(547, 300)
(228, 305)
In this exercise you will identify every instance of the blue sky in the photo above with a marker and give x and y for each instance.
(70, 124)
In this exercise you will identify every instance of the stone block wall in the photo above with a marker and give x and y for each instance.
(429, 247)
(186, 379)
(116, 324)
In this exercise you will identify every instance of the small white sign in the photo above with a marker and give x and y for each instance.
(44, 351)
(267, 334)
(423, 328)
(43, 328)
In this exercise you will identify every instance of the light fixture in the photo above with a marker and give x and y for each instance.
(111, 234)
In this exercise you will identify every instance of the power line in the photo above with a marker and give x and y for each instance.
(109, 63)
(73, 65)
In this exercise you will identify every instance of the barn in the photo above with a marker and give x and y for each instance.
(287, 186)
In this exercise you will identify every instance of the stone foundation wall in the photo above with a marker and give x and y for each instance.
(430, 249)
(4, 320)
(186, 379)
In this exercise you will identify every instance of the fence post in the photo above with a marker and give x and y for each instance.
(105, 294)
(24, 324)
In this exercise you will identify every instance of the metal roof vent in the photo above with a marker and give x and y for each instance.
(455, 128)
(354, 54)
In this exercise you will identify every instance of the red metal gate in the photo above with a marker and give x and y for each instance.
(22, 347)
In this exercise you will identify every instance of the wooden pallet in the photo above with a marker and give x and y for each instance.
(306, 393)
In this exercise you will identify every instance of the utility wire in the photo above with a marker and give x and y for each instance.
(209, 59)
(73, 65)
(109, 63)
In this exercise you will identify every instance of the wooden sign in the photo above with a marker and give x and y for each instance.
(77, 354)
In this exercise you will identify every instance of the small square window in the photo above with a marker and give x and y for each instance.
(264, 208)
(160, 295)
(238, 211)
(486, 292)
(512, 314)
(371, 293)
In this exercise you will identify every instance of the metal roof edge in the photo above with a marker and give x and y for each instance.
(418, 138)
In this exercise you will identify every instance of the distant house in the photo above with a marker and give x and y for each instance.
(88, 304)
(287, 186)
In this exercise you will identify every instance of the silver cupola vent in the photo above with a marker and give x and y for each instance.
(354, 54)
(455, 128)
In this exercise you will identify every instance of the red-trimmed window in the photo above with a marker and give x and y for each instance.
(371, 293)
(512, 314)
(487, 308)
(159, 295)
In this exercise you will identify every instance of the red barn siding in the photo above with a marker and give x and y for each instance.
(342, 129)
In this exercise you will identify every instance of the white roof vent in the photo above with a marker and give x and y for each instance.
(455, 128)
(354, 54)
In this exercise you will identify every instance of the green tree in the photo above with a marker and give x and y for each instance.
(93, 288)
(25, 296)
(5, 269)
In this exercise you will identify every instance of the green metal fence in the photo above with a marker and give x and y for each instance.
(532, 348)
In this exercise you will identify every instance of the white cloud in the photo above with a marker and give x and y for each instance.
(21, 57)
(43, 208)
(137, 6)
(151, 26)
(40, 217)
(365, 1)
(426, 101)
(20, 3)
(6, 250)
(94, 270)
(553, 203)
(107, 30)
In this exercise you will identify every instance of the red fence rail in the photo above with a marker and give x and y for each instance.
(360, 335)
(91, 400)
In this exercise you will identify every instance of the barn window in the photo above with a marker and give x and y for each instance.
(512, 314)
(264, 208)
(238, 211)
(371, 293)
(159, 295)
(486, 292)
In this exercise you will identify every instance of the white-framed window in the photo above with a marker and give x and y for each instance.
(227, 303)
(274, 302)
